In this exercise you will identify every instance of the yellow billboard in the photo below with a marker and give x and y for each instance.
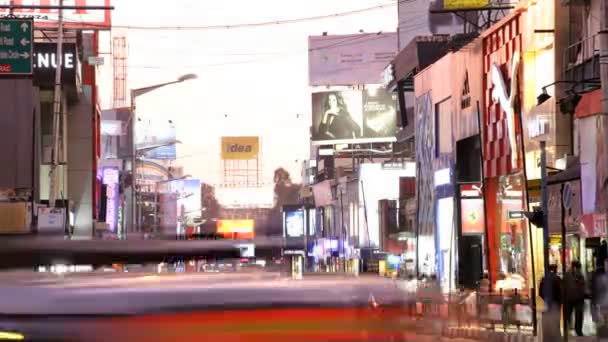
(236, 229)
(240, 148)
(460, 4)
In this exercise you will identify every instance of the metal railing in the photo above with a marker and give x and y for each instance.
(585, 51)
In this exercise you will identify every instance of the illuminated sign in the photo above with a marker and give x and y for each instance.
(507, 100)
(294, 223)
(235, 228)
(45, 63)
(462, 4)
(538, 127)
(240, 148)
(515, 214)
(111, 180)
(442, 177)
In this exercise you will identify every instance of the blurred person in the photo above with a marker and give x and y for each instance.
(556, 288)
(337, 122)
(575, 293)
(484, 285)
(598, 291)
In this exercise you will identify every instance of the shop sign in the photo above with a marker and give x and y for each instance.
(45, 64)
(506, 97)
(537, 127)
(111, 180)
(465, 100)
(470, 190)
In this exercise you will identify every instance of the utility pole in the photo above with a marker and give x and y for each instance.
(545, 209)
(603, 35)
(602, 331)
(56, 110)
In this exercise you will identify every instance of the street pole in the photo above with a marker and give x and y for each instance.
(602, 331)
(604, 82)
(56, 110)
(563, 257)
(133, 170)
(550, 316)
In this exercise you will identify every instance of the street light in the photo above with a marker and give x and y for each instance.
(134, 94)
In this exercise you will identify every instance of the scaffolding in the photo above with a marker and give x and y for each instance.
(119, 55)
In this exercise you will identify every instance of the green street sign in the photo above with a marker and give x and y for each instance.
(16, 46)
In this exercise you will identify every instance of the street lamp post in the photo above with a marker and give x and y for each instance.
(134, 94)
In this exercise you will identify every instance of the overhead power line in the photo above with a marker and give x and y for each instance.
(259, 24)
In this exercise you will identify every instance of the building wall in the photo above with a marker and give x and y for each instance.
(17, 112)
(80, 165)
(448, 94)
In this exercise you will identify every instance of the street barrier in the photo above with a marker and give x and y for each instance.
(473, 314)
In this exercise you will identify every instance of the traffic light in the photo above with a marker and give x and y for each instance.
(535, 217)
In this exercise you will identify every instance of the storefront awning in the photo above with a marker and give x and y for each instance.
(572, 172)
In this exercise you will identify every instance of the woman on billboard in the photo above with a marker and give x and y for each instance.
(337, 122)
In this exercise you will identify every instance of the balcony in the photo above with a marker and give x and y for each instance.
(582, 64)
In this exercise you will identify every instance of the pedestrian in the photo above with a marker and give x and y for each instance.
(556, 289)
(575, 297)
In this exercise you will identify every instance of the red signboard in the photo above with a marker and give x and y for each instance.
(73, 18)
(501, 121)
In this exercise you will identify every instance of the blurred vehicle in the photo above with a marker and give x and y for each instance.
(222, 303)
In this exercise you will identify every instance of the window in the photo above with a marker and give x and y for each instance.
(443, 127)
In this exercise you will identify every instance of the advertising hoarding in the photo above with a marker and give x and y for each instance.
(236, 228)
(349, 116)
(240, 148)
(159, 133)
(111, 177)
(189, 196)
(461, 4)
(294, 224)
(73, 18)
(335, 60)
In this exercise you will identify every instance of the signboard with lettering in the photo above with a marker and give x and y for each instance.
(45, 63)
(75, 18)
(16, 46)
(111, 177)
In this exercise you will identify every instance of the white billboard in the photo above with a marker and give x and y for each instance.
(349, 59)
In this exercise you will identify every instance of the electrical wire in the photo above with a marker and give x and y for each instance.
(249, 25)
(286, 54)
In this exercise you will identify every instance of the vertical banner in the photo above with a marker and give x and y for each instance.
(111, 180)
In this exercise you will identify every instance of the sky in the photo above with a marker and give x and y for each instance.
(251, 81)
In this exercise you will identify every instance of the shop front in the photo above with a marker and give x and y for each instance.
(505, 187)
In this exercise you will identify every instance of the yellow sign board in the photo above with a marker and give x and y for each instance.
(240, 148)
(460, 4)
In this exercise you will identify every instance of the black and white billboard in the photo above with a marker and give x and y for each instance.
(352, 116)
